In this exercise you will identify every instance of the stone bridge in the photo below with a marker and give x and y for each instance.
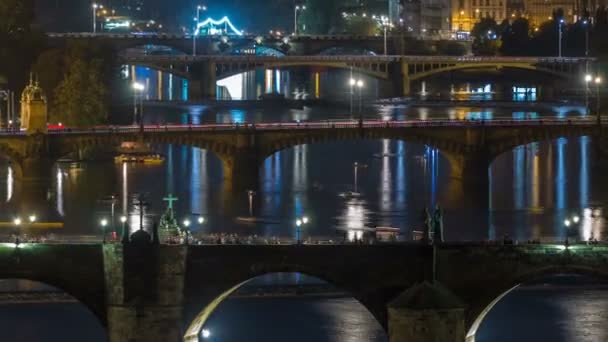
(469, 146)
(150, 292)
(204, 71)
(302, 45)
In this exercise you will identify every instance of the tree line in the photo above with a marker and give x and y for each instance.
(518, 38)
(75, 77)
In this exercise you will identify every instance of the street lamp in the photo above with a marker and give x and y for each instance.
(351, 82)
(588, 78)
(250, 194)
(186, 230)
(295, 17)
(138, 88)
(32, 218)
(559, 45)
(103, 223)
(385, 24)
(123, 221)
(200, 220)
(95, 8)
(199, 8)
(598, 81)
(299, 222)
(17, 222)
(586, 24)
(356, 167)
(360, 86)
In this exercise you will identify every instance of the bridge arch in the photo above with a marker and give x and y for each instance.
(95, 306)
(376, 70)
(439, 68)
(198, 322)
(480, 308)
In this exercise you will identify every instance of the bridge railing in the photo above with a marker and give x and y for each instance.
(312, 125)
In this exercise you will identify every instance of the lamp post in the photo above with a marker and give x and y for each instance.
(125, 235)
(352, 82)
(385, 24)
(250, 194)
(17, 223)
(559, 45)
(138, 88)
(598, 81)
(356, 167)
(95, 8)
(299, 222)
(586, 24)
(360, 86)
(103, 224)
(588, 78)
(199, 8)
(295, 17)
(186, 230)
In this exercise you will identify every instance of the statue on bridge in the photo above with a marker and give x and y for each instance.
(428, 227)
(168, 227)
(438, 225)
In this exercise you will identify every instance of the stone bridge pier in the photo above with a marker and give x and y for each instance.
(203, 84)
(144, 290)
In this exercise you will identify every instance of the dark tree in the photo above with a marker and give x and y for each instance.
(516, 38)
(485, 37)
(20, 42)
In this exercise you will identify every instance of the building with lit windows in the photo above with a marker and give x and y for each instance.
(466, 13)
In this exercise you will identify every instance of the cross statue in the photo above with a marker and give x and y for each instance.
(170, 199)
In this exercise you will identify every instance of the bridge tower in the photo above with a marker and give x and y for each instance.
(33, 109)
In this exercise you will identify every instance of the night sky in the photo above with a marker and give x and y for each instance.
(250, 15)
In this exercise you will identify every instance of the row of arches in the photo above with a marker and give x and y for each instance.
(549, 300)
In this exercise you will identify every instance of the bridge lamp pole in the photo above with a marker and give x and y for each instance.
(598, 81)
(123, 221)
(95, 8)
(103, 224)
(186, 229)
(17, 223)
(360, 86)
(199, 8)
(588, 78)
(385, 25)
(586, 24)
(559, 42)
(138, 88)
(356, 167)
(295, 17)
(250, 194)
(299, 223)
(352, 82)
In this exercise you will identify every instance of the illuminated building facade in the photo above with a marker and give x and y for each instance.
(466, 13)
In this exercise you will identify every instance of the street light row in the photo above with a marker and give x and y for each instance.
(17, 220)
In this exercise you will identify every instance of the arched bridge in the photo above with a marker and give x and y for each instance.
(401, 70)
(218, 45)
(150, 292)
(469, 146)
